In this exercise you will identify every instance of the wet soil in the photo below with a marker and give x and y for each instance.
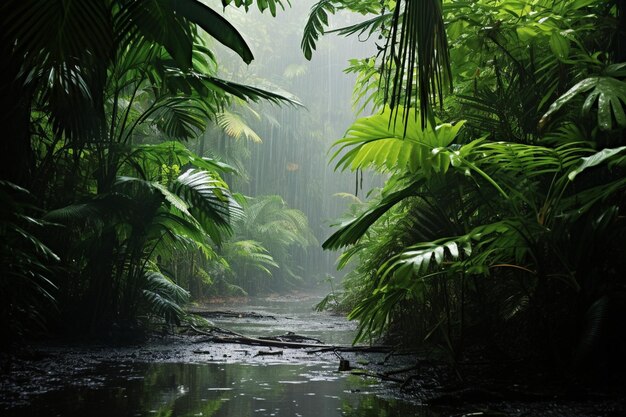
(428, 388)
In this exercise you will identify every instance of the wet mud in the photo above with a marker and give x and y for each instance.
(187, 374)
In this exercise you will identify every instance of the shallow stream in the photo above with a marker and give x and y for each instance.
(205, 379)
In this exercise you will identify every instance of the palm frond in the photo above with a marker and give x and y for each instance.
(210, 201)
(314, 28)
(181, 118)
(163, 297)
(416, 53)
(373, 141)
(249, 253)
(236, 127)
(247, 92)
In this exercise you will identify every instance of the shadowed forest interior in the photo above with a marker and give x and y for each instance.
(449, 174)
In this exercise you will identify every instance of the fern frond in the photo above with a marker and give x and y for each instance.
(236, 127)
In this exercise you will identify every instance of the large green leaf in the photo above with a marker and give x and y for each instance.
(374, 141)
(351, 231)
(215, 25)
(596, 159)
(608, 92)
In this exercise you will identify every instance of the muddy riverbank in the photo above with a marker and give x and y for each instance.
(188, 374)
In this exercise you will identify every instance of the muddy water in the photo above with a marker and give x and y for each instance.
(202, 379)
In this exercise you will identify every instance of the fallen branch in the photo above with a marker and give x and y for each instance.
(229, 313)
(292, 337)
(330, 348)
(269, 353)
(238, 338)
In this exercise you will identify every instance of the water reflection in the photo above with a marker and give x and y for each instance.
(233, 390)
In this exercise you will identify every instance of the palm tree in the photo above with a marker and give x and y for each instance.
(92, 81)
(415, 51)
(126, 233)
(62, 55)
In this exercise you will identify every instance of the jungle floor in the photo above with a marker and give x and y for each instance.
(277, 358)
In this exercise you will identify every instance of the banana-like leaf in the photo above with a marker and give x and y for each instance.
(215, 25)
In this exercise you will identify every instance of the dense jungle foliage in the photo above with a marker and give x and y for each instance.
(110, 219)
(500, 228)
(498, 125)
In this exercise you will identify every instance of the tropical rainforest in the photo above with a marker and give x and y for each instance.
(490, 135)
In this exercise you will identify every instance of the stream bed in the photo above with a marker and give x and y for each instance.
(189, 377)
(175, 376)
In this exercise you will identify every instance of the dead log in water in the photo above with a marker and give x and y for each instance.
(217, 335)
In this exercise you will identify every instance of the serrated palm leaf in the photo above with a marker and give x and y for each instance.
(209, 201)
(163, 297)
(314, 28)
(236, 127)
(351, 231)
(374, 141)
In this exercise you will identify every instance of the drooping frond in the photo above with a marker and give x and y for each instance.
(416, 56)
(210, 201)
(181, 118)
(215, 25)
(163, 297)
(318, 19)
(246, 92)
(351, 231)
(236, 127)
